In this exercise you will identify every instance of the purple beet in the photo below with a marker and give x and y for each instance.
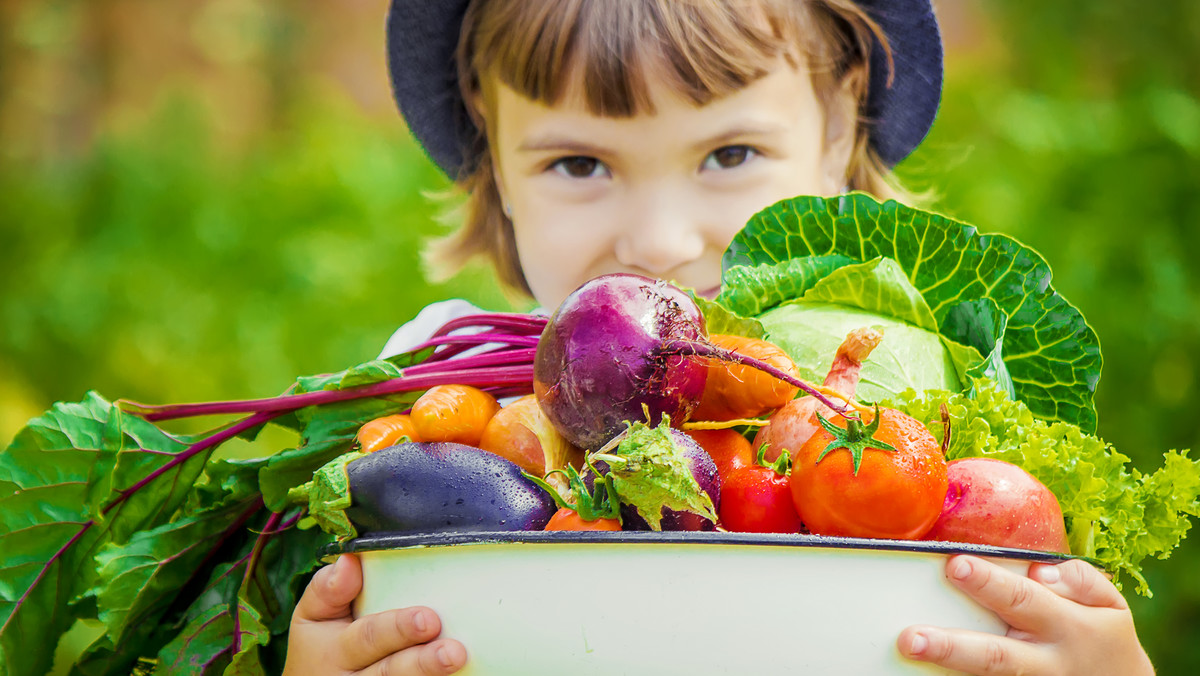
(604, 358)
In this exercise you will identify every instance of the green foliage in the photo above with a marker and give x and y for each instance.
(1050, 353)
(1074, 128)
(1115, 514)
(161, 270)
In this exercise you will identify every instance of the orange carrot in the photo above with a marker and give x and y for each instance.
(386, 431)
(736, 391)
(457, 413)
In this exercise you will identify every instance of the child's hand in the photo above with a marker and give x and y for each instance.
(325, 639)
(1073, 622)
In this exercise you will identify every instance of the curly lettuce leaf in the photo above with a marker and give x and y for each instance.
(1115, 514)
(1050, 352)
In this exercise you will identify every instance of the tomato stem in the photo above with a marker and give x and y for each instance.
(855, 437)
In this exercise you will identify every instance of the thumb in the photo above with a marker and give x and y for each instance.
(1080, 582)
(330, 592)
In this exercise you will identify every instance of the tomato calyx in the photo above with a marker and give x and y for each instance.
(781, 465)
(599, 503)
(855, 437)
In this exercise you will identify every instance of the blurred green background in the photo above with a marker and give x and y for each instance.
(206, 198)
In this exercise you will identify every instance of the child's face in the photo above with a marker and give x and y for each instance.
(656, 194)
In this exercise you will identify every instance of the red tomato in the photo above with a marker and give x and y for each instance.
(568, 519)
(757, 499)
(894, 494)
(728, 449)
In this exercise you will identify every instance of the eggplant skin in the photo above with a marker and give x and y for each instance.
(443, 487)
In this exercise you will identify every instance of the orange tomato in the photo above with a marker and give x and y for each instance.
(457, 413)
(386, 431)
(734, 391)
(893, 494)
(568, 519)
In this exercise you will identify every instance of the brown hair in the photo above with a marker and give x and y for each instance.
(709, 49)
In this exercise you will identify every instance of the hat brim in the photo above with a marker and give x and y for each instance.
(422, 37)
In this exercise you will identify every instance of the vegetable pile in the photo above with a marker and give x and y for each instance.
(868, 370)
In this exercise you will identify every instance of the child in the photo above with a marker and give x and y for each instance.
(597, 136)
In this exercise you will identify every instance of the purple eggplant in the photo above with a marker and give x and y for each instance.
(704, 470)
(443, 487)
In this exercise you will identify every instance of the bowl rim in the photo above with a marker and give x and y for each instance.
(384, 541)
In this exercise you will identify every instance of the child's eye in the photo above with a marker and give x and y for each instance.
(728, 157)
(580, 166)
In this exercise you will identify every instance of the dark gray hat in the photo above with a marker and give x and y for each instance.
(422, 36)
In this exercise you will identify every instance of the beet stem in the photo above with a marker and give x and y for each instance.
(208, 442)
(521, 374)
(708, 350)
(255, 553)
(521, 323)
(476, 339)
(46, 567)
(504, 357)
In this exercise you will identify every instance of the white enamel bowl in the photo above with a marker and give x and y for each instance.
(552, 603)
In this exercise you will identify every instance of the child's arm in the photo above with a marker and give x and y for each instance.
(1073, 622)
(324, 638)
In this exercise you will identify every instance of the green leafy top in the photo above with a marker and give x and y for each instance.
(189, 560)
(327, 496)
(967, 279)
(650, 471)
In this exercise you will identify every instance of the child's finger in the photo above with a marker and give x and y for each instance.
(973, 652)
(372, 638)
(330, 592)
(1022, 603)
(444, 656)
(1080, 582)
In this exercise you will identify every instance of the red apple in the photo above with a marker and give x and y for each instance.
(993, 502)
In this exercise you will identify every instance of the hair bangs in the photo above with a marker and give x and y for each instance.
(615, 51)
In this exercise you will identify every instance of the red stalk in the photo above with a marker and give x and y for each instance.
(484, 376)
(518, 323)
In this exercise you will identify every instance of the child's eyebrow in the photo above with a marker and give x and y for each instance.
(738, 132)
(559, 144)
(575, 146)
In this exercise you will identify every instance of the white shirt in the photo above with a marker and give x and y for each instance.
(431, 318)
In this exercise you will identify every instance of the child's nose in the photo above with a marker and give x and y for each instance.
(659, 237)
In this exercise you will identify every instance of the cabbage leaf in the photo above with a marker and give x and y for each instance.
(989, 292)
